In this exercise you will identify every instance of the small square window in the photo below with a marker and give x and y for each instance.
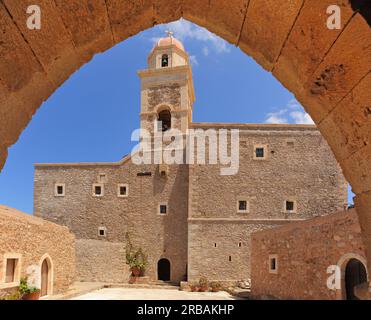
(163, 209)
(242, 206)
(273, 264)
(122, 190)
(260, 152)
(59, 190)
(102, 231)
(290, 206)
(98, 190)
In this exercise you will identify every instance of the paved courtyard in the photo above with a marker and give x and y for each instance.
(152, 294)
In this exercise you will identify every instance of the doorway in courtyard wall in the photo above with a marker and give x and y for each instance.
(355, 274)
(163, 270)
(44, 278)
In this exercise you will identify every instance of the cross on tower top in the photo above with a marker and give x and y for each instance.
(169, 33)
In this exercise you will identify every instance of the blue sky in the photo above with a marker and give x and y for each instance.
(91, 117)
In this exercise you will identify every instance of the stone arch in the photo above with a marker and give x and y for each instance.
(327, 70)
(161, 107)
(50, 275)
(342, 264)
(164, 266)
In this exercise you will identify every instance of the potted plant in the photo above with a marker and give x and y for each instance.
(27, 292)
(194, 288)
(215, 286)
(203, 284)
(136, 259)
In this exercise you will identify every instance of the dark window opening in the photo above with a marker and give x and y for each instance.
(164, 120)
(60, 190)
(144, 174)
(98, 190)
(230, 258)
(215, 245)
(242, 205)
(164, 61)
(259, 152)
(289, 206)
(102, 232)
(240, 244)
(163, 209)
(273, 264)
(123, 191)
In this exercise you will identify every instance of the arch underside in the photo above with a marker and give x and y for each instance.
(327, 70)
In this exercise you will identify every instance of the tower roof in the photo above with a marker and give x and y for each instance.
(168, 41)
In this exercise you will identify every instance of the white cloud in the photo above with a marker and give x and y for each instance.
(292, 113)
(277, 117)
(301, 117)
(185, 30)
(193, 60)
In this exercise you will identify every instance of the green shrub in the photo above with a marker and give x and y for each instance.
(24, 288)
(135, 258)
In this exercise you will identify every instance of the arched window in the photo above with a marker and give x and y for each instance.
(164, 61)
(164, 120)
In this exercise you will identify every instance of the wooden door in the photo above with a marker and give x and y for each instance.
(44, 278)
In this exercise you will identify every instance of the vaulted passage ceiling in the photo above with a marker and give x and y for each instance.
(327, 70)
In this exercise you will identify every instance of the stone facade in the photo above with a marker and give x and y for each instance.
(31, 240)
(304, 250)
(136, 215)
(203, 226)
(299, 166)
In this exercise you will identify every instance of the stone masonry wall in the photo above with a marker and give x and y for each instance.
(160, 236)
(304, 252)
(31, 239)
(299, 166)
(101, 261)
(224, 245)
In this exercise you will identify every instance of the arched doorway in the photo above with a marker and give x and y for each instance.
(355, 274)
(46, 276)
(163, 270)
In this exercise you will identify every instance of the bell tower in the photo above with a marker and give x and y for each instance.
(167, 92)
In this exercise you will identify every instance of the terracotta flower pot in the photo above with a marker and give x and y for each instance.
(194, 288)
(203, 289)
(135, 272)
(31, 296)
